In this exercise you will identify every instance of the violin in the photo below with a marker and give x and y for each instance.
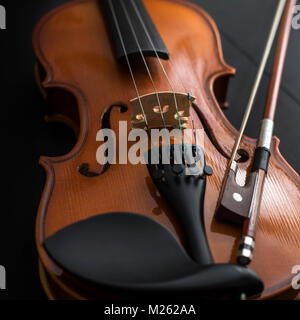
(120, 230)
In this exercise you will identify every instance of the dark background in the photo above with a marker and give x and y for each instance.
(244, 26)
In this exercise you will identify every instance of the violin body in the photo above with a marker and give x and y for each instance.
(80, 78)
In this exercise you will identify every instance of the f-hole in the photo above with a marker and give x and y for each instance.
(243, 156)
(84, 168)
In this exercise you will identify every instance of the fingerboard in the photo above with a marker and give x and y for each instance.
(124, 16)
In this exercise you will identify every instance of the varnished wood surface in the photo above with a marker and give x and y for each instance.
(93, 77)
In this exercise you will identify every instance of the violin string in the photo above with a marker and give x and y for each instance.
(127, 60)
(144, 60)
(161, 65)
(188, 93)
(180, 79)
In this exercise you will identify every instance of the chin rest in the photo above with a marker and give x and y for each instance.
(134, 255)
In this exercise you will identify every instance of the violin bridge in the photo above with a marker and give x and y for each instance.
(159, 106)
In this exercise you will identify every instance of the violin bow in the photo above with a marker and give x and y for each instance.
(241, 204)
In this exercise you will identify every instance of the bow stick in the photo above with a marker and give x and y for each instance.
(242, 204)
